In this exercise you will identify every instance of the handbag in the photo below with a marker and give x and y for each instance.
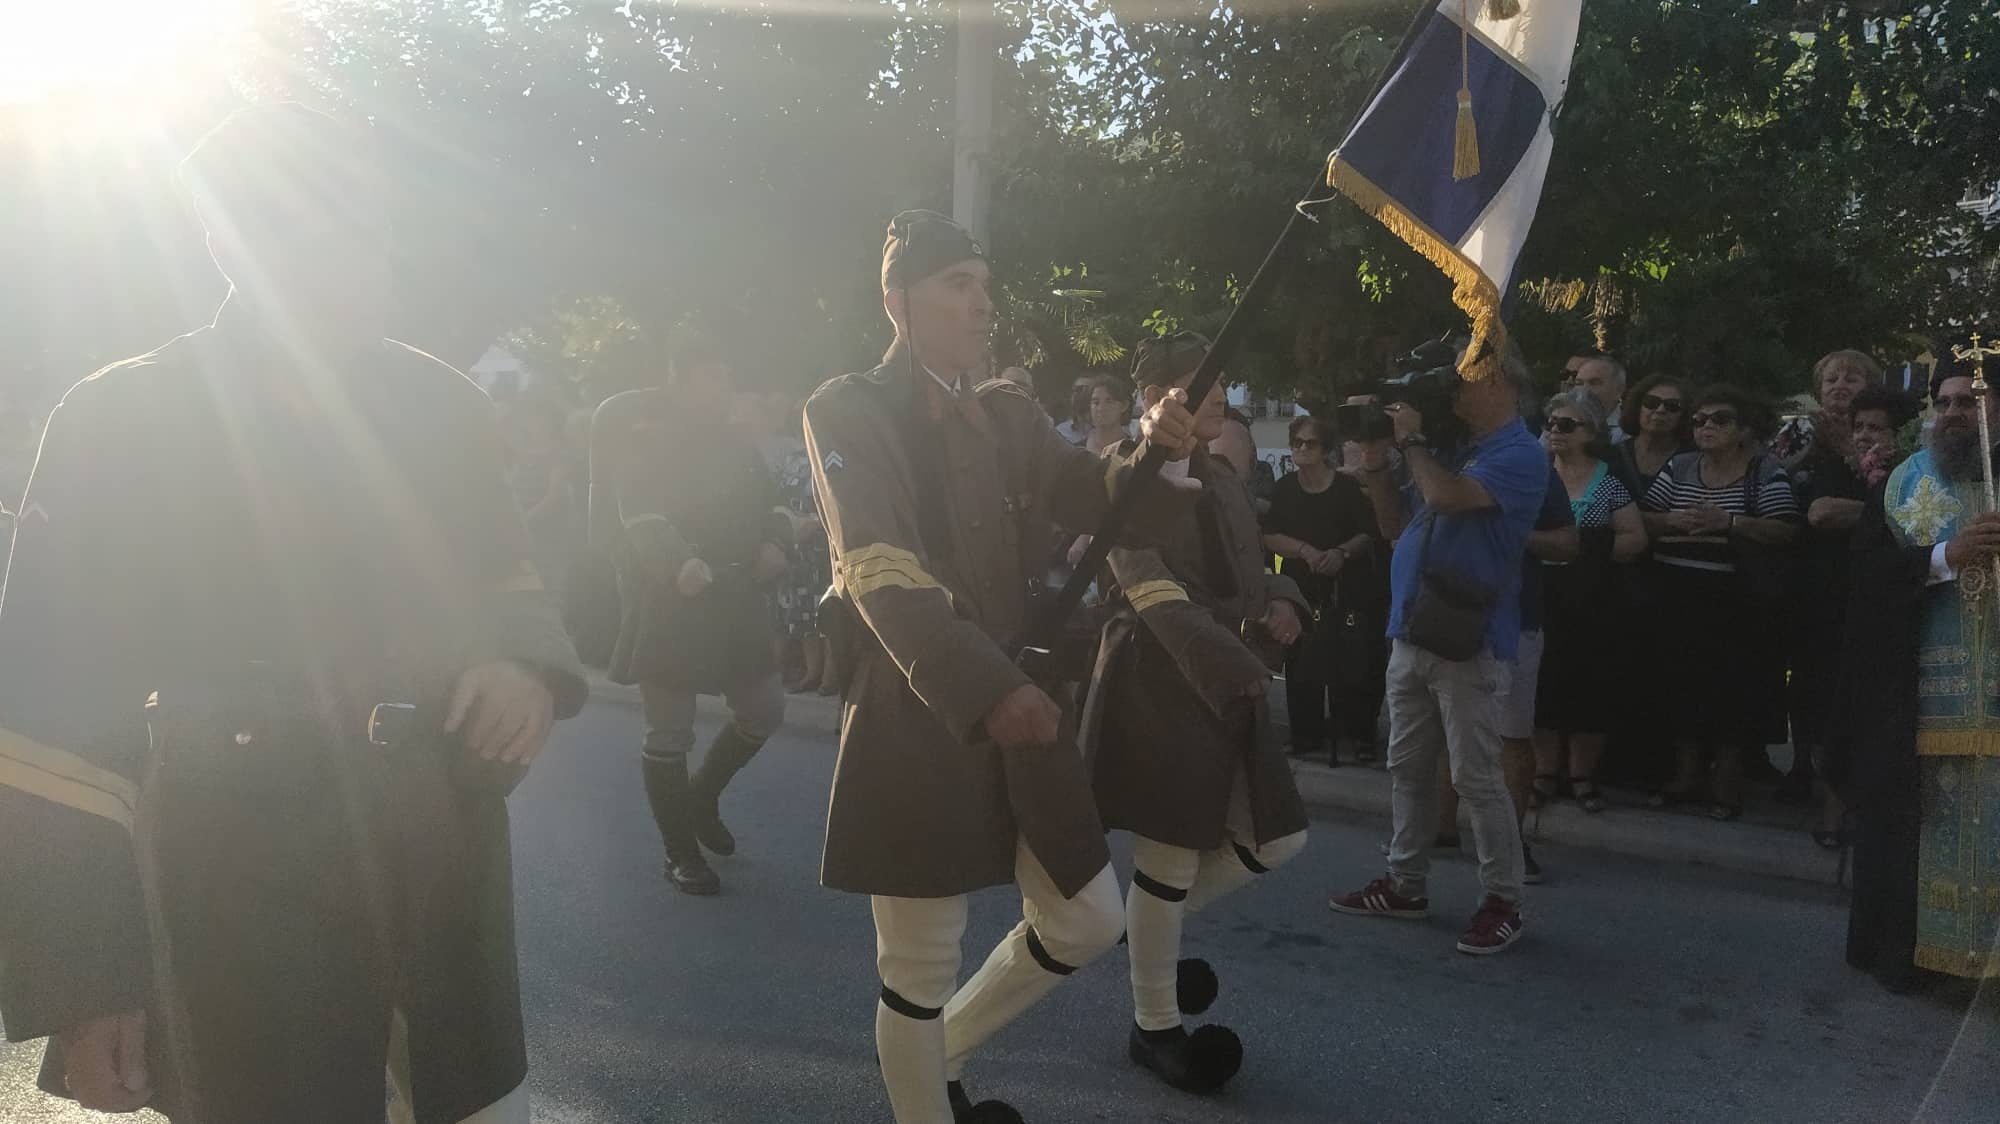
(1449, 615)
(1341, 649)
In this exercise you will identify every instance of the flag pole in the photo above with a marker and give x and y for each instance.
(1045, 628)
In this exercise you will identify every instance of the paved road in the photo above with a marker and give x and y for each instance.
(1642, 993)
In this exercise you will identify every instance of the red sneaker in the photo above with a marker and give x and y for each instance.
(1380, 899)
(1493, 928)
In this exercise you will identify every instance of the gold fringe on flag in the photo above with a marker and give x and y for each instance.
(1472, 291)
(1465, 147)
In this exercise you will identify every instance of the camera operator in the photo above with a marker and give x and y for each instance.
(1467, 506)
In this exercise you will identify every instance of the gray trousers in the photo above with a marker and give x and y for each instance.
(1438, 707)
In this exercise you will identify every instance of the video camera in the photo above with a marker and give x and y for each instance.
(1426, 379)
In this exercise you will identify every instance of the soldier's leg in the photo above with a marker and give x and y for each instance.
(1241, 859)
(756, 709)
(1056, 936)
(1162, 875)
(917, 955)
(669, 789)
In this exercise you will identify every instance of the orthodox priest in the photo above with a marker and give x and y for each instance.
(1923, 664)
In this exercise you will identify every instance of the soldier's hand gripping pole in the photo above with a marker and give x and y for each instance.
(1045, 629)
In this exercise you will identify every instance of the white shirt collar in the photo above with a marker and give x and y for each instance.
(953, 388)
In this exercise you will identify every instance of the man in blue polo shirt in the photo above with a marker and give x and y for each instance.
(1467, 512)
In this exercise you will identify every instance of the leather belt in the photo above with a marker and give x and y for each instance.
(251, 719)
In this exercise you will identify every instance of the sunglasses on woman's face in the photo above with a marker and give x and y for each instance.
(1307, 443)
(1720, 419)
(1670, 405)
(1565, 425)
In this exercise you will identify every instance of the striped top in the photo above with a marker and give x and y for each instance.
(1763, 492)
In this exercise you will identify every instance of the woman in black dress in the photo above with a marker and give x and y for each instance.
(1717, 518)
(1655, 420)
(1323, 531)
(1579, 691)
(1832, 487)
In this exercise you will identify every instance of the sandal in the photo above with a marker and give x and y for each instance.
(1588, 796)
(1546, 790)
(1723, 813)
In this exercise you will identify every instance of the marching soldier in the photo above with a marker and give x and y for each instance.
(272, 654)
(1182, 747)
(696, 536)
(956, 771)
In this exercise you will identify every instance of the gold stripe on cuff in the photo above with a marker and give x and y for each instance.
(882, 566)
(1145, 595)
(64, 778)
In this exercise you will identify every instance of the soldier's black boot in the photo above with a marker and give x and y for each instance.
(963, 1111)
(726, 757)
(1202, 1062)
(671, 795)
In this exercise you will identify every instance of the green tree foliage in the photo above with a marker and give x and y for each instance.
(1737, 185)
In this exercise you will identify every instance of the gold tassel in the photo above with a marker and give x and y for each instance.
(1502, 9)
(1465, 150)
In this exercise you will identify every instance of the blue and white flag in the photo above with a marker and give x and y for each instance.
(1451, 153)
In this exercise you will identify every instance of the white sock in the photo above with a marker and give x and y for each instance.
(912, 1053)
(1153, 945)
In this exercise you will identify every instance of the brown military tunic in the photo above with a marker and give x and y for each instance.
(267, 548)
(1167, 722)
(939, 511)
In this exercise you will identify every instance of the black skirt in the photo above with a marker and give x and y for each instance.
(1581, 687)
(1722, 666)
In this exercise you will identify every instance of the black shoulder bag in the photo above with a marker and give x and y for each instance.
(1451, 611)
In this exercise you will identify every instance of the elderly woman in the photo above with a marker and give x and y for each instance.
(1828, 432)
(1656, 428)
(1819, 454)
(1579, 689)
(1832, 492)
(1324, 532)
(1716, 517)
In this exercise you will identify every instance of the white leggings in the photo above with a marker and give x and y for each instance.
(926, 1025)
(1169, 882)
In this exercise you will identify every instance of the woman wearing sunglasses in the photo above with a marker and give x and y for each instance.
(1716, 516)
(1579, 689)
(1323, 531)
(1656, 423)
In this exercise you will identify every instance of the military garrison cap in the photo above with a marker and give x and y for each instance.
(924, 243)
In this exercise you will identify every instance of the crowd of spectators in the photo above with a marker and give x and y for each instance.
(1697, 628)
